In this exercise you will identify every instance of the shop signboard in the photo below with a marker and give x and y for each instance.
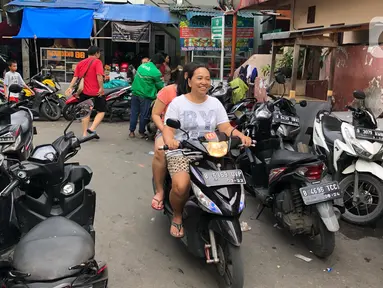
(217, 24)
(131, 32)
(196, 34)
(60, 55)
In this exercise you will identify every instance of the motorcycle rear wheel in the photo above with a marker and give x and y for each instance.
(229, 254)
(326, 246)
(50, 111)
(67, 112)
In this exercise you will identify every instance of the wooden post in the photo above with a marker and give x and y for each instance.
(331, 76)
(273, 62)
(294, 74)
(233, 44)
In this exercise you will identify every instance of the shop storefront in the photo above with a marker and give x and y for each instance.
(195, 36)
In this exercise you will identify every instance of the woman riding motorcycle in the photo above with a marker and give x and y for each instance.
(198, 114)
(164, 97)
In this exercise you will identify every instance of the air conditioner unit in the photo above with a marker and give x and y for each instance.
(117, 1)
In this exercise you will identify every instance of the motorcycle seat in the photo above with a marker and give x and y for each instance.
(21, 118)
(110, 91)
(332, 129)
(51, 247)
(286, 157)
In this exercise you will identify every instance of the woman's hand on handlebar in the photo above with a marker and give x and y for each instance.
(246, 141)
(173, 144)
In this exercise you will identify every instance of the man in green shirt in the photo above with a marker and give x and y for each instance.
(147, 82)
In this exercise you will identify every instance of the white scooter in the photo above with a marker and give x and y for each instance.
(354, 156)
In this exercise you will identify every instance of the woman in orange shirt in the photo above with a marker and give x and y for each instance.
(164, 97)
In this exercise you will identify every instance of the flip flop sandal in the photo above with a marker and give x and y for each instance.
(179, 227)
(92, 132)
(158, 202)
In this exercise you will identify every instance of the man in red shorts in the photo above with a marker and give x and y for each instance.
(93, 87)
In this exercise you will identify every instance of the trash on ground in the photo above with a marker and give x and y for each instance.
(245, 227)
(141, 165)
(329, 270)
(278, 266)
(151, 152)
(153, 219)
(304, 258)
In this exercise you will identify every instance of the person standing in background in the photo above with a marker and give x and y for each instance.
(92, 71)
(146, 84)
(14, 77)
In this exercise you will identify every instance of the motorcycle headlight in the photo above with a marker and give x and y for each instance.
(207, 204)
(217, 149)
(358, 148)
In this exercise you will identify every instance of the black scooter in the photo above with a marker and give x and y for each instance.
(294, 185)
(16, 129)
(57, 252)
(45, 186)
(217, 199)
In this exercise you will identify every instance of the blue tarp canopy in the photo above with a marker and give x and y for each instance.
(82, 4)
(134, 13)
(56, 23)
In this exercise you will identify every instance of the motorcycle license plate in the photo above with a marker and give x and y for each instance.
(223, 178)
(323, 192)
(369, 134)
(287, 120)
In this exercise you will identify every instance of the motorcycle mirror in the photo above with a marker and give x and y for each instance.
(173, 123)
(15, 88)
(280, 78)
(83, 109)
(303, 103)
(360, 95)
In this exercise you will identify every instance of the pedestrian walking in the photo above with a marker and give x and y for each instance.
(89, 74)
(146, 84)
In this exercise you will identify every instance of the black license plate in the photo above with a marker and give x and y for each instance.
(369, 134)
(287, 120)
(314, 194)
(222, 178)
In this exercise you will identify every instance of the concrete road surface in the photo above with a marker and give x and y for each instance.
(135, 242)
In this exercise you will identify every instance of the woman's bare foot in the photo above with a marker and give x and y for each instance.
(158, 202)
(177, 229)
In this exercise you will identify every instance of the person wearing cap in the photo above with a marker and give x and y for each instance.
(92, 70)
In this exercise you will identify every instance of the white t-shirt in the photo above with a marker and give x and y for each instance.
(197, 119)
(13, 78)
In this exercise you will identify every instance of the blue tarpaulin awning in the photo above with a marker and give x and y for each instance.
(56, 23)
(134, 13)
(81, 4)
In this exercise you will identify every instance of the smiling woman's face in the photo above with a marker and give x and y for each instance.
(200, 81)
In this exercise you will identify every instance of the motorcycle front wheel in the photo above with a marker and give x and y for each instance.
(321, 241)
(230, 266)
(368, 209)
(68, 112)
(50, 111)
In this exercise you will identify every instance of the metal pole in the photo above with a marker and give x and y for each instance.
(233, 44)
(222, 49)
(37, 56)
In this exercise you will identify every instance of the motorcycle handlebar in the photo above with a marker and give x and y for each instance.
(351, 108)
(8, 190)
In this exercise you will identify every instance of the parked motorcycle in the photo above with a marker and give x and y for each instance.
(292, 184)
(16, 129)
(354, 155)
(45, 186)
(44, 103)
(50, 80)
(217, 199)
(55, 251)
(118, 103)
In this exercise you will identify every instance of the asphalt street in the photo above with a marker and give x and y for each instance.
(135, 240)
